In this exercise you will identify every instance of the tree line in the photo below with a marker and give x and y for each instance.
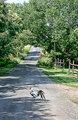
(51, 24)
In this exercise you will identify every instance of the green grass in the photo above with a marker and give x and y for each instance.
(58, 76)
(4, 69)
(11, 63)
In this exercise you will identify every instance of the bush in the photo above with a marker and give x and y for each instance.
(26, 48)
(45, 61)
(2, 63)
(22, 55)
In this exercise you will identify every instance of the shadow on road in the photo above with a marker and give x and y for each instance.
(13, 107)
(24, 109)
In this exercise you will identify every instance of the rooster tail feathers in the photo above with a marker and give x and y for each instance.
(40, 92)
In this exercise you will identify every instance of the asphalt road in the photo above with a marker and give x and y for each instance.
(16, 103)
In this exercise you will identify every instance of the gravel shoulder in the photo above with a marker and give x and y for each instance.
(70, 92)
(16, 102)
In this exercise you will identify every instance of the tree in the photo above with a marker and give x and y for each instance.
(51, 24)
(3, 29)
(74, 45)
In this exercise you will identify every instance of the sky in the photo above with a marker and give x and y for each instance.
(16, 1)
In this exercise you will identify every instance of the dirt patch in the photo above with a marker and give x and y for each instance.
(70, 92)
(75, 100)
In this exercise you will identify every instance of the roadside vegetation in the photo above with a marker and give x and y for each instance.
(51, 24)
(13, 61)
(56, 74)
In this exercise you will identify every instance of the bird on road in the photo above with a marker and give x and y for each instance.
(36, 93)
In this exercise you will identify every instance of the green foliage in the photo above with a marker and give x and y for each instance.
(26, 37)
(62, 18)
(74, 44)
(51, 24)
(26, 48)
(46, 60)
(10, 25)
(7, 63)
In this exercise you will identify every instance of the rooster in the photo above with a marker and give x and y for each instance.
(37, 93)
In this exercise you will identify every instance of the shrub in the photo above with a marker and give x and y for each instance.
(45, 61)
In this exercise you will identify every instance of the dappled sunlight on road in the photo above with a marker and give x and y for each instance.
(16, 103)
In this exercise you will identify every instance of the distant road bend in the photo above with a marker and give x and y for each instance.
(16, 102)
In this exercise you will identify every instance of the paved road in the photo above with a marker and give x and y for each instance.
(16, 102)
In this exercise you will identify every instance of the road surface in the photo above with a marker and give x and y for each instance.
(16, 103)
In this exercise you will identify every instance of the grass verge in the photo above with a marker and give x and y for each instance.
(14, 61)
(58, 76)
